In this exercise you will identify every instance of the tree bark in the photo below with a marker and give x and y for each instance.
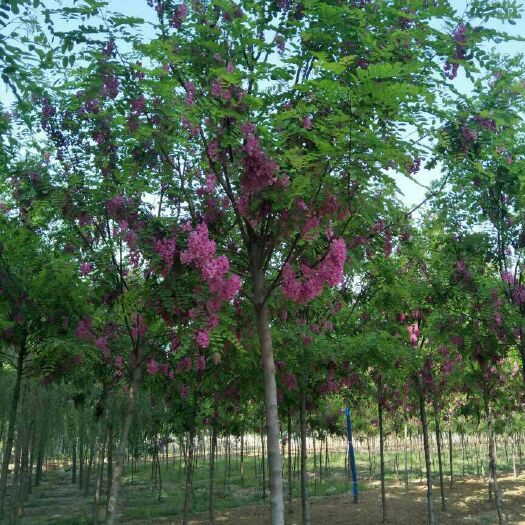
(42, 442)
(290, 480)
(426, 445)
(189, 477)
(440, 458)
(121, 454)
(513, 449)
(74, 458)
(100, 473)
(11, 425)
(450, 454)
(492, 460)
(406, 457)
(305, 498)
(87, 477)
(263, 465)
(381, 446)
(109, 455)
(81, 451)
(212, 475)
(270, 399)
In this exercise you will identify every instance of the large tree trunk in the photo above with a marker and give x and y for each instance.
(109, 455)
(8, 445)
(20, 491)
(212, 475)
(381, 446)
(81, 451)
(123, 443)
(426, 446)
(42, 443)
(74, 460)
(87, 477)
(270, 398)
(242, 455)
(440, 459)
(351, 457)
(450, 454)
(263, 465)
(492, 461)
(100, 472)
(290, 480)
(305, 498)
(405, 477)
(188, 492)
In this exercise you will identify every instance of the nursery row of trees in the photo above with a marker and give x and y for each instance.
(200, 215)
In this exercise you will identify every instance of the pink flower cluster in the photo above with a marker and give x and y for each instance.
(184, 365)
(154, 367)
(460, 37)
(85, 268)
(102, 344)
(166, 248)
(289, 380)
(202, 339)
(413, 332)
(201, 252)
(117, 207)
(330, 271)
(190, 93)
(259, 169)
(84, 329)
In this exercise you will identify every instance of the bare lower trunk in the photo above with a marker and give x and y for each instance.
(381, 447)
(188, 493)
(290, 481)
(305, 498)
(121, 454)
(74, 459)
(42, 442)
(263, 465)
(81, 452)
(212, 475)
(440, 459)
(426, 446)
(406, 457)
(492, 461)
(513, 445)
(109, 454)
(87, 477)
(450, 454)
(270, 400)
(242, 455)
(8, 445)
(100, 474)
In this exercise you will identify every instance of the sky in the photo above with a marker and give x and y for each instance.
(412, 193)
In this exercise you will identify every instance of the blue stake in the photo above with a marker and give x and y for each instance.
(351, 456)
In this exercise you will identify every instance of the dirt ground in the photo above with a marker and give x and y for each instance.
(466, 504)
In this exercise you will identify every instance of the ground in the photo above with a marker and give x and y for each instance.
(466, 504)
(239, 496)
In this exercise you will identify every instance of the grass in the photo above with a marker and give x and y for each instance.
(58, 502)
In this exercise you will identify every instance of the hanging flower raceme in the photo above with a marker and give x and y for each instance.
(413, 332)
(329, 271)
(460, 37)
(201, 252)
(166, 248)
(214, 270)
(259, 169)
